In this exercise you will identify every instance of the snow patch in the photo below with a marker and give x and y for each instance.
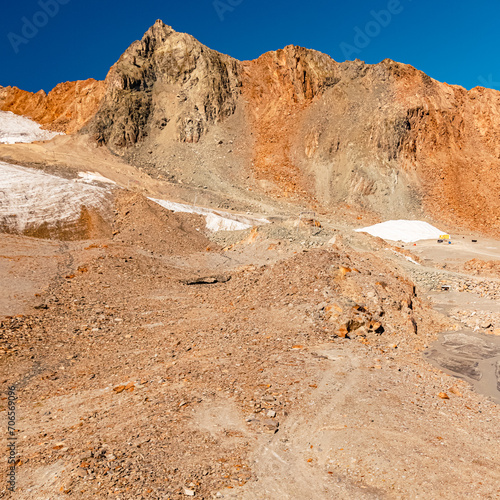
(407, 231)
(216, 220)
(90, 177)
(15, 128)
(30, 198)
(409, 259)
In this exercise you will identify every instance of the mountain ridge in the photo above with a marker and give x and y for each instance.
(386, 137)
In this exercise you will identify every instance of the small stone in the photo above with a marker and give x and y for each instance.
(269, 398)
(343, 271)
(271, 425)
(443, 395)
(343, 332)
(189, 493)
(455, 391)
(271, 413)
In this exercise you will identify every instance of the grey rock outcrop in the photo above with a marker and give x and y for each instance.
(166, 83)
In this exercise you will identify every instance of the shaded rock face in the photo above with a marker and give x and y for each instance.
(385, 138)
(66, 108)
(167, 80)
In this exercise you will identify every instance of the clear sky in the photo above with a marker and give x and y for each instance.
(44, 42)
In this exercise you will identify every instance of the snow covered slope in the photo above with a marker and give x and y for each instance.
(30, 199)
(15, 128)
(407, 231)
(91, 177)
(216, 220)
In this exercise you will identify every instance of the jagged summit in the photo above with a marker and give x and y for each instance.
(148, 79)
(386, 136)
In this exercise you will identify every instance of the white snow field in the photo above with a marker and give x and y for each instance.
(216, 220)
(15, 128)
(90, 177)
(407, 231)
(30, 198)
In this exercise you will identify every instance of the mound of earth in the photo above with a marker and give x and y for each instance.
(146, 225)
(483, 267)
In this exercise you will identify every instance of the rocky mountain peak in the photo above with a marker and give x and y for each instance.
(167, 80)
(385, 137)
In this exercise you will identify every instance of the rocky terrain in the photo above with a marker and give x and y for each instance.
(66, 108)
(155, 357)
(293, 123)
(156, 364)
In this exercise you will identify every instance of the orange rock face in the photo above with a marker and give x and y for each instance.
(67, 108)
(278, 86)
(384, 138)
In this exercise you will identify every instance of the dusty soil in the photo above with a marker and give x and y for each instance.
(153, 364)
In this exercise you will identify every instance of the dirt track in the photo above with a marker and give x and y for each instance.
(134, 383)
(151, 359)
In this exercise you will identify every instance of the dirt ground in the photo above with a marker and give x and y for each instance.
(161, 363)
(142, 357)
(289, 360)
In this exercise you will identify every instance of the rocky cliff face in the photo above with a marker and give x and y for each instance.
(277, 88)
(67, 108)
(165, 84)
(384, 137)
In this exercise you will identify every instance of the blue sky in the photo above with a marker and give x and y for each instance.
(453, 41)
